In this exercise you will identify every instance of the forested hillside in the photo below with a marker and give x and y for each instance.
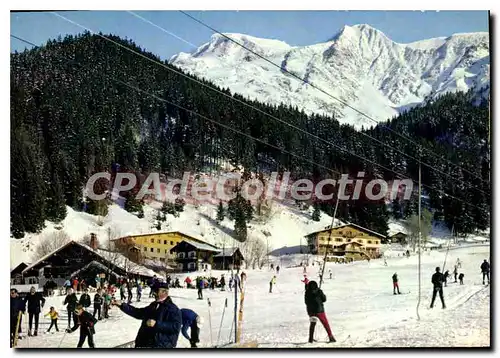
(70, 118)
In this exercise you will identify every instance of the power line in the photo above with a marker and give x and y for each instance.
(240, 132)
(331, 96)
(161, 28)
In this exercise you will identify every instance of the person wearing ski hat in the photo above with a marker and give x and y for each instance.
(314, 299)
(437, 281)
(161, 320)
(190, 319)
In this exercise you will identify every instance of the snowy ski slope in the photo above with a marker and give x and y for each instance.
(360, 306)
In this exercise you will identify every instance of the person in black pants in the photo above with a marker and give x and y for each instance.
(35, 303)
(485, 269)
(98, 300)
(71, 302)
(437, 281)
(86, 323)
(17, 305)
(192, 320)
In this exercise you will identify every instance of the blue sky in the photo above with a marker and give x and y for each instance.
(293, 27)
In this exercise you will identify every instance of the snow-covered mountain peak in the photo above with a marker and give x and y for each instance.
(360, 66)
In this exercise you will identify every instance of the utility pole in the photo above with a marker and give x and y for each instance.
(329, 239)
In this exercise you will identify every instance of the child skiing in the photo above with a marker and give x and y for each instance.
(395, 284)
(445, 276)
(314, 299)
(86, 323)
(53, 319)
(455, 273)
(461, 278)
(271, 284)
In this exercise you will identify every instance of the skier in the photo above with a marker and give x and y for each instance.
(98, 299)
(139, 292)
(277, 269)
(35, 303)
(385, 262)
(331, 274)
(314, 299)
(200, 284)
(191, 319)
(459, 263)
(161, 321)
(85, 299)
(67, 285)
(485, 270)
(71, 302)
(455, 273)
(86, 323)
(17, 305)
(395, 284)
(437, 281)
(53, 319)
(445, 276)
(271, 283)
(461, 278)
(230, 283)
(123, 287)
(129, 291)
(97, 282)
(222, 283)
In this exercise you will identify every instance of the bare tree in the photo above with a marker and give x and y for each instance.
(413, 228)
(50, 242)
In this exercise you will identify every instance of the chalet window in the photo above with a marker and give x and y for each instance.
(180, 255)
(158, 250)
(338, 240)
(348, 240)
(152, 250)
(159, 241)
(145, 249)
(152, 241)
(369, 241)
(191, 266)
(171, 242)
(191, 254)
(164, 242)
(165, 250)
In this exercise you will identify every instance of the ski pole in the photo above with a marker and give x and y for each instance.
(210, 321)
(222, 320)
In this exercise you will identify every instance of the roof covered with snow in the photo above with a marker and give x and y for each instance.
(349, 224)
(199, 245)
(115, 258)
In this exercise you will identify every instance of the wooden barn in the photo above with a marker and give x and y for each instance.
(229, 258)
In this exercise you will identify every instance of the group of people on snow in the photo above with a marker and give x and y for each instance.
(439, 280)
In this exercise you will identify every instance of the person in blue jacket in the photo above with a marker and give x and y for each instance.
(161, 321)
(190, 319)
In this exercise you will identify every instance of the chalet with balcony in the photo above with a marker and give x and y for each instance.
(194, 255)
(349, 240)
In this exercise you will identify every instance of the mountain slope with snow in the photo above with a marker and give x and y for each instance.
(360, 66)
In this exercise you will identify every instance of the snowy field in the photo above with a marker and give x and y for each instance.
(360, 307)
